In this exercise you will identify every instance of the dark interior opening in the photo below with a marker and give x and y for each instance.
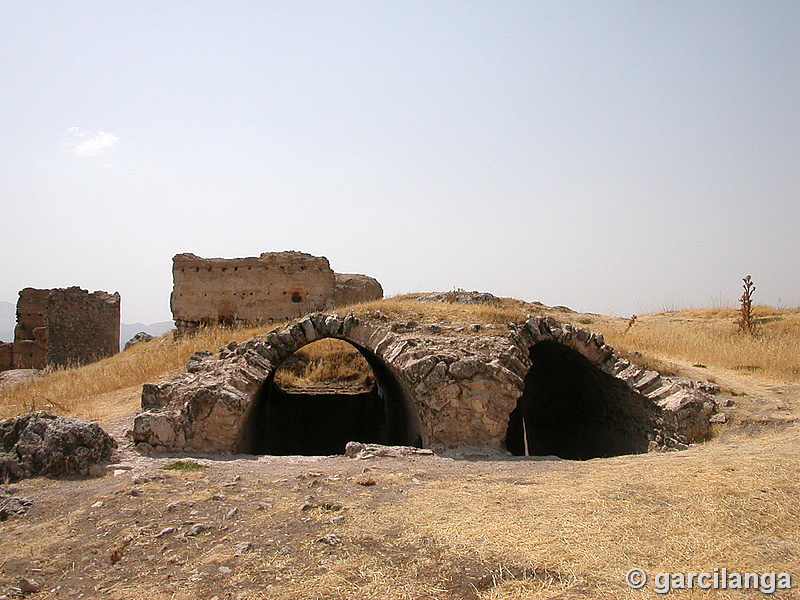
(571, 409)
(320, 422)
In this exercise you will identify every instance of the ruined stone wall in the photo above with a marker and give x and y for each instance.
(30, 334)
(81, 326)
(62, 327)
(273, 286)
(352, 288)
(6, 356)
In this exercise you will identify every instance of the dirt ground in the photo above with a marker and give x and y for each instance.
(247, 527)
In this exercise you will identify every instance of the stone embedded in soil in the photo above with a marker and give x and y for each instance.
(365, 480)
(13, 506)
(335, 520)
(330, 539)
(28, 586)
(165, 531)
(242, 547)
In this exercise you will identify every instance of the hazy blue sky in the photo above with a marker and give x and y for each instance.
(613, 157)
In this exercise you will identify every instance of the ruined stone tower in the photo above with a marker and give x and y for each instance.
(63, 326)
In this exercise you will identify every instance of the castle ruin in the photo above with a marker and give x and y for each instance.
(62, 327)
(274, 286)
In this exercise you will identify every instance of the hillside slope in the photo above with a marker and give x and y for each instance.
(426, 526)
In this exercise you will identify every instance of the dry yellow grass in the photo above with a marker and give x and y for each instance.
(710, 337)
(324, 362)
(500, 312)
(82, 391)
(735, 506)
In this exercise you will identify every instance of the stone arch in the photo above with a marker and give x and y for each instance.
(645, 410)
(572, 409)
(397, 419)
(278, 422)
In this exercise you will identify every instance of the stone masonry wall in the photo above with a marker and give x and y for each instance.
(81, 326)
(30, 334)
(274, 286)
(6, 356)
(62, 327)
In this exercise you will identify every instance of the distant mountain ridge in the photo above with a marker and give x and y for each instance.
(8, 320)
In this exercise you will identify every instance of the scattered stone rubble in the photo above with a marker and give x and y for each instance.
(459, 296)
(12, 505)
(459, 388)
(42, 443)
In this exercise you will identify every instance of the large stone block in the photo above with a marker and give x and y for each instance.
(352, 288)
(41, 443)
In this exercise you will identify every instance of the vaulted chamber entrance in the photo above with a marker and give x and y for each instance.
(324, 395)
(571, 409)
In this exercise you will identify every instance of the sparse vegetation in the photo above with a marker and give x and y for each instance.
(631, 323)
(185, 465)
(706, 336)
(746, 320)
(325, 362)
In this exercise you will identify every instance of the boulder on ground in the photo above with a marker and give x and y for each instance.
(42, 443)
(140, 337)
(352, 288)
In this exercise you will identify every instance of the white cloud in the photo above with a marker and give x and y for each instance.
(93, 146)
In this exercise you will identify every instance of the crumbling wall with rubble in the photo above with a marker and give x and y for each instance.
(274, 286)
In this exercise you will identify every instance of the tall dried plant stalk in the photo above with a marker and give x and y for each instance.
(746, 320)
